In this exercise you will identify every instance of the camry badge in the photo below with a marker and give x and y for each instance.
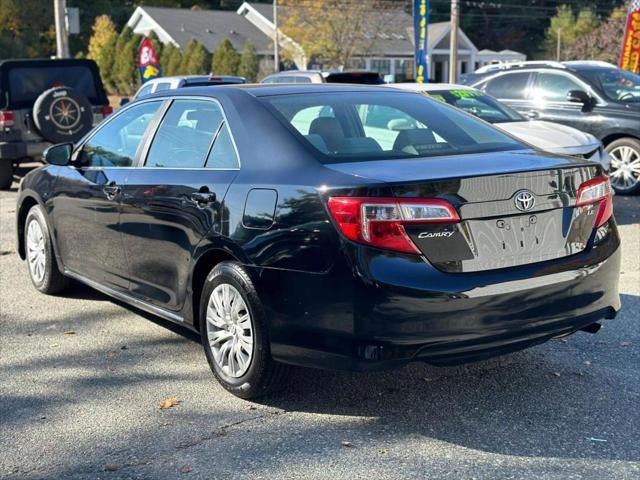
(435, 234)
(524, 200)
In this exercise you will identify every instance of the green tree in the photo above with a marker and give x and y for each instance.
(604, 43)
(568, 26)
(249, 63)
(186, 55)
(199, 60)
(102, 48)
(125, 70)
(226, 59)
(170, 60)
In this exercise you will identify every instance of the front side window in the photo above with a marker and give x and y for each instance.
(185, 135)
(511, 86)
(116, 143)
(384, 125)
(478, 104)
(617, 84)
(554, 87)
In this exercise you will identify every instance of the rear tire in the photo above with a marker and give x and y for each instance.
(234, 334)
(6, 174)
(41, 261)
(625, 166)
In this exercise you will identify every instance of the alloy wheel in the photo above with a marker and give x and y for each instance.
(229, 330)
(36, 251)
(625, 167)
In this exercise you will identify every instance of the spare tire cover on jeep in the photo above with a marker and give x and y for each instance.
(62, 115)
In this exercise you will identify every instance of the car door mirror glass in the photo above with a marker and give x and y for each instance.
(59, 154)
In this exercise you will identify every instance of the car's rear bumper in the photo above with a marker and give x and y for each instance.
(380, 310)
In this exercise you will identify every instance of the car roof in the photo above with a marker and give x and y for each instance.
(47, 61)
(430, 87)
(267, 89)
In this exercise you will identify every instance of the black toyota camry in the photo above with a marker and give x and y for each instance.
(344, 227)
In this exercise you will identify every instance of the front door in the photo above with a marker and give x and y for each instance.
(86, 203)
(175, 197)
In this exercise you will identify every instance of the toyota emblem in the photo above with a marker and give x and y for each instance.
(524, 200)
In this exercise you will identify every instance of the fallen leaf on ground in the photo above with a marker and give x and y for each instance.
(556, 374)
(111, 467)
(346, 443)
(168, 403)
(70, 332)
(185, 469)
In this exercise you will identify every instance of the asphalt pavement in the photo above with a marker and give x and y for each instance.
(82, 378)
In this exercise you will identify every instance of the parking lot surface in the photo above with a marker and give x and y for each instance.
(82, 378)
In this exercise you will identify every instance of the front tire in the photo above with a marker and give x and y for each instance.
(625, 166)
(235, 335)
(41, 261)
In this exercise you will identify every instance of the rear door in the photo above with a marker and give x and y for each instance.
(512, 88)
(175, 197)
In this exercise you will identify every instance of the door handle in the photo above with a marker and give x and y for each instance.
(112, 190)
(203, 197)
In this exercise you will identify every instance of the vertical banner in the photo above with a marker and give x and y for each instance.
(630, 58)
(148, 62)
(420, 29)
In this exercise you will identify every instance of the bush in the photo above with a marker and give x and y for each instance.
(249, 63)
(226, 60)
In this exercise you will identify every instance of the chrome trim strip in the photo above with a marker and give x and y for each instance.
(134, 302)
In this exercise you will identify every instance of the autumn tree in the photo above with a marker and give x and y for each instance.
(569, 26)
(226, 60)
(102, 48)
(604, 43)
(332, 34)
(249, 63)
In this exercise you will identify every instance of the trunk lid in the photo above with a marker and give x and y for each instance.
(498, 227)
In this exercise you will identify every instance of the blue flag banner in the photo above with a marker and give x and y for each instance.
(421, 28)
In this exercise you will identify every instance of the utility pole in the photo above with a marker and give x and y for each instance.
(558, 44)
(453, 54)
(276, 47)
(62, 36)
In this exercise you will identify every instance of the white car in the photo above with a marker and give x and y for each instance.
(547, 136)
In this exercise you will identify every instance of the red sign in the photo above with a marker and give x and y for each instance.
(148, 62)
(630, 58)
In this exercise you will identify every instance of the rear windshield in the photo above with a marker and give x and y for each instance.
(363, 78)
(347, 127)
(25, 84)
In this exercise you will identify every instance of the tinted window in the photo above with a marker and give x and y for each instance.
(554, 86)
(617, 84)
(163, 86)
(478, 104)
(146, 90)
(223, 155)
(509, 85)
(185, 134)
(385, 125)
(116, 143)
(27, 83)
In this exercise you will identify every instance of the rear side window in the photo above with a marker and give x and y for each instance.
(512, 86)
(223, 154)
(163, 86)
(185, 135)
(116, 143)
(384, 125)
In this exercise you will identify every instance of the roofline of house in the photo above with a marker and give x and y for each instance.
(163, 35)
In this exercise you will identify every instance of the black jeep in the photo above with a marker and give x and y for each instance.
(44, 102)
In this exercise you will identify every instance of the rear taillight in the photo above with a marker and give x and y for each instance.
(597, 190)
(379, 221)
(7, 120)
(107, 110)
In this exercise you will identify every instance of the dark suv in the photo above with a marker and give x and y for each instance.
(44, 102)
(595, 97)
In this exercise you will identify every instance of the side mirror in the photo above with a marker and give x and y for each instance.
(579, 96)
(59, 154)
